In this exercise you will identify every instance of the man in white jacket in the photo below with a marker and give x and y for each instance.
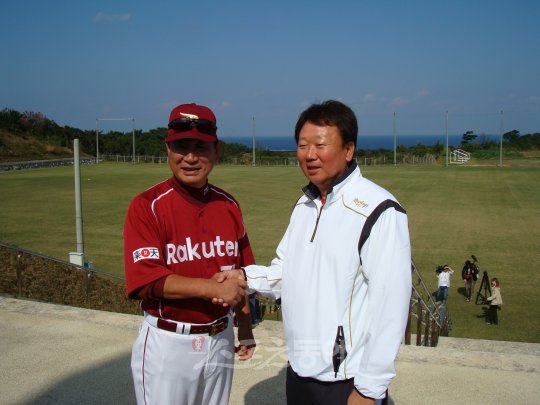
(342, 270)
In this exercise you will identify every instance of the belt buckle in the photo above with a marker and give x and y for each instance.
(216, 328)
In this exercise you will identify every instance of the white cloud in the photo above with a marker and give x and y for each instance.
(112, 17)
(372, 98)
(399, 101)
(533, 99)
(226, 104)
(424, 93)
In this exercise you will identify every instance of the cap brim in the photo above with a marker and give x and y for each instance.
(173, 135)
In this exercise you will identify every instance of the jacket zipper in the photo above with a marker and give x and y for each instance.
(319, 212)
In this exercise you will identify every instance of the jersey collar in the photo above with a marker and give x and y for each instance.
(312, 192)
(200, 194)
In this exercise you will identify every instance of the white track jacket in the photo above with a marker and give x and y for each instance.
(345, 263)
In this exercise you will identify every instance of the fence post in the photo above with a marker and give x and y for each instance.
(434, 334)
(419, 323)
(88, 275)
(408, 327)
(445, 327)
(426, 329)
(19, 275)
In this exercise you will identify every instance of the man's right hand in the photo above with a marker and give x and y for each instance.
(229, 290)
(224, 276)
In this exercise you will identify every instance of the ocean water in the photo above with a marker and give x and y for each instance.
(366, 142)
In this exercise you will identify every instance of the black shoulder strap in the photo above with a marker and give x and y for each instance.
(372, 219)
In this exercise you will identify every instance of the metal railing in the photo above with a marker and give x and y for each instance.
(430, 319)
(32, 275)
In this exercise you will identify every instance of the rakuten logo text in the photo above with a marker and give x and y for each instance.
(197, 251)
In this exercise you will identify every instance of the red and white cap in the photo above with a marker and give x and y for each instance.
(192, 121)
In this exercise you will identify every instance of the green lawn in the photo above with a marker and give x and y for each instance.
(491, 212)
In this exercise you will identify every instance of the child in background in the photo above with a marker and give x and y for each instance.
(444, 283)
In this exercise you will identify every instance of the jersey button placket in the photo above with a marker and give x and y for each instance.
(204, 232)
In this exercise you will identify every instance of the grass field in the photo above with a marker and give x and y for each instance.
(491, 212)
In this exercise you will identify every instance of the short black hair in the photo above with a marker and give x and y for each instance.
(330, 113)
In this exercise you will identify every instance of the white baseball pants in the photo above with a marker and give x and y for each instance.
(175, 369)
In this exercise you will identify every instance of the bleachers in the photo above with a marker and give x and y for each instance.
(459, 156)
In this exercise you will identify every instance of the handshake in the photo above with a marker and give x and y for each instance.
(227, 288)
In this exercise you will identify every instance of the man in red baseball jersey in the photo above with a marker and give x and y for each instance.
(178, 236)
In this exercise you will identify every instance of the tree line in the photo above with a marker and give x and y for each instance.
(36, 125)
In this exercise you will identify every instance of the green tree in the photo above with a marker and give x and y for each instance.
(511, 136)
(438, 149)
(9, 120)
(468, 137)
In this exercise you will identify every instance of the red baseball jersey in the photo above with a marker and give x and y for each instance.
(171, 229)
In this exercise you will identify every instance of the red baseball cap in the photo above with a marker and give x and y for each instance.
(192, 121)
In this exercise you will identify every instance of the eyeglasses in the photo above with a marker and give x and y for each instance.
(186, 124)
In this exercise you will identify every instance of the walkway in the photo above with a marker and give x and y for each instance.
(54, 354)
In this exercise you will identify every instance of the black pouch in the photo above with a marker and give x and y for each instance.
(340, 351)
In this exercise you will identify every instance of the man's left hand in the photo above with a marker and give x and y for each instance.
(245, 350)
(356, 399)
(245, 336)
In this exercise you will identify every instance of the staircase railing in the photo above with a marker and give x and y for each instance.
(430, 319)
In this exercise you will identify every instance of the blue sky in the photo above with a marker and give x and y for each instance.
(76, 61)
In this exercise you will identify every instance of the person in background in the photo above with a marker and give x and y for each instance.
(494, 301)
(178, 236)
(253, 309)
(469, 275)
(342, 270)
(444, 283)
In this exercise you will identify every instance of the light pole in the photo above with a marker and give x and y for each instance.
(446, 126)
(78, 197)
(78, 256)
(395, 143)
(97, 140)
(133, 136)
(501, 140)
(253, 146)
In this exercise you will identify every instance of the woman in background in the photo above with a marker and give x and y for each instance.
(494, 301)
